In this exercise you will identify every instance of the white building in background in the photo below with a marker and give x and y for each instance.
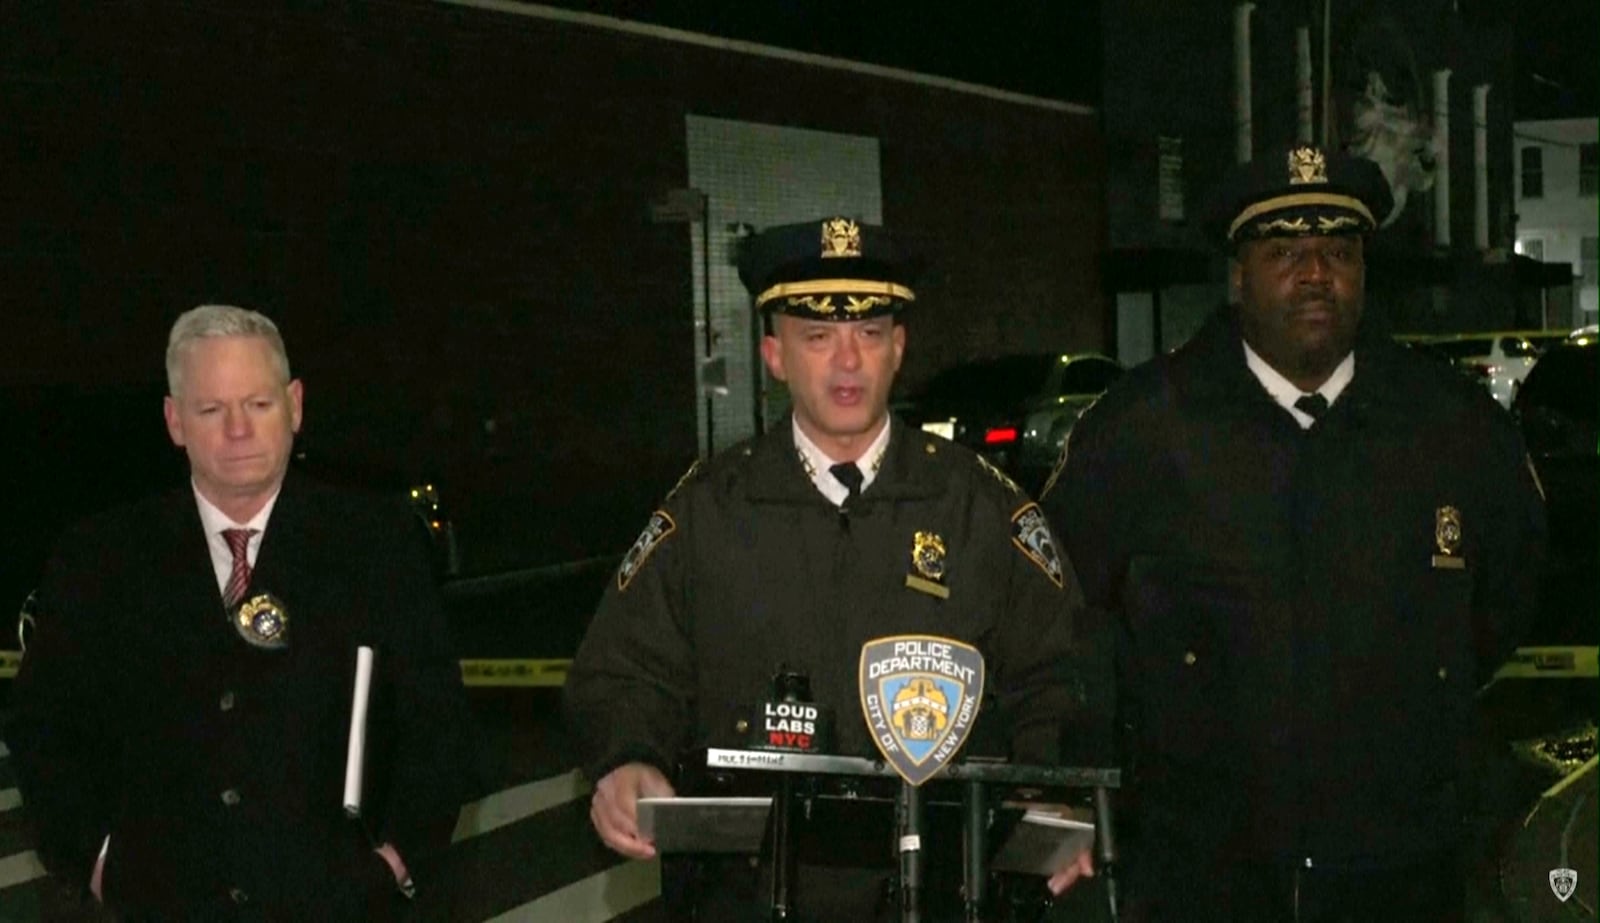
(1558, 202)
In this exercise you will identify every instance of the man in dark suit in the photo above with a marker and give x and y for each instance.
(181, 717)
(1315, 545)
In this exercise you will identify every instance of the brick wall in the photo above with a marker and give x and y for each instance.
(447, 211)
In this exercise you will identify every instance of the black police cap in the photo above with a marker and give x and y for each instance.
(834, 269)
(1301, 192)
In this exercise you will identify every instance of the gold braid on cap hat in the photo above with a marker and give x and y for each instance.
(1301, 200)
(835, 287)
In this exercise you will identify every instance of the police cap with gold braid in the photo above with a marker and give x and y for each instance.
(833, 269)
(1301, 191)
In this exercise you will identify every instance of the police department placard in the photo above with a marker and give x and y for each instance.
(920, 697)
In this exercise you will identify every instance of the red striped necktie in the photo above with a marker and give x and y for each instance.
(239, 578)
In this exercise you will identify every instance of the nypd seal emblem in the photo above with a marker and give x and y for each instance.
(263, 622)
(1030, 532)
(920, 696)
(655, 531)
(1564, 882)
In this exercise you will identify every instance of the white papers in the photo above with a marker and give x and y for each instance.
(715, 825)
(1043, 843)
(355, 755)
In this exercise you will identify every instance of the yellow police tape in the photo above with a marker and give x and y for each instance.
(475, 673)
(514, 673)
(1551, 663)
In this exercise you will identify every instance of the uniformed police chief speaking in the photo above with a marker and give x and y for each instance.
(838, 526)
(1317, 545)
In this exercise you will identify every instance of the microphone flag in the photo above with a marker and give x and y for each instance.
(920, 697)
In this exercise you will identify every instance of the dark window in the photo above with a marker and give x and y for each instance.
(1464, 349)
(1515, 347)
(1006, 381)
(1533, 248)
(1089, 376)
(1588, 169)
(1589, 252)
(1564, 382)
(1533, 173)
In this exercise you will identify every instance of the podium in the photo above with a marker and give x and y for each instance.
(985, 798)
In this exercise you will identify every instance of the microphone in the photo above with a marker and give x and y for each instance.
(788, 720)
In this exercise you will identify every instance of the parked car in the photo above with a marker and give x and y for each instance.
(1558, 409)
(1015, 410)
(1500, 360)
(1424, 346)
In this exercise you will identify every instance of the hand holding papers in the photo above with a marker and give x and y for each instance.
(1044, 842)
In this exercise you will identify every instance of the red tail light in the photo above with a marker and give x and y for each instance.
(1000, 435)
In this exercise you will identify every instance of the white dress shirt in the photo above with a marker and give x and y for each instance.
(817, 463)
(1286, 392)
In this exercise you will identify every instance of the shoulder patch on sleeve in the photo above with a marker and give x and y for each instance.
(655, 532)
(998, 475)
(1030, 532)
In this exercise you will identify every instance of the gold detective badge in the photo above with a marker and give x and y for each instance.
(1447, 536)
(263, 622)
(927, 562)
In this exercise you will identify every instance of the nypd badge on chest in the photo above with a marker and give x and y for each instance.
(920, 697)
(263, 621)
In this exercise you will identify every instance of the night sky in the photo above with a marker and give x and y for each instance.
(1556, 52)
(1051, 48)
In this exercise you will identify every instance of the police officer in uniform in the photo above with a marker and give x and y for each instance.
(838, 526)
(1315, 546)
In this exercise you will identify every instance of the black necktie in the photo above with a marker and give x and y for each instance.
(1312, 405)
(848, 474)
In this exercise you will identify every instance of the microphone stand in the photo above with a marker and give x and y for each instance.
(908, 808)
(1108, 848)
(974, 847)
(784, 871)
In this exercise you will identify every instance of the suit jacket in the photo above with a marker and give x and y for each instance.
(217, 767)
(1303, 615)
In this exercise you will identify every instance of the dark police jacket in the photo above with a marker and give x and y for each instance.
(1301, 630)
(217, 768)
(747, 566)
